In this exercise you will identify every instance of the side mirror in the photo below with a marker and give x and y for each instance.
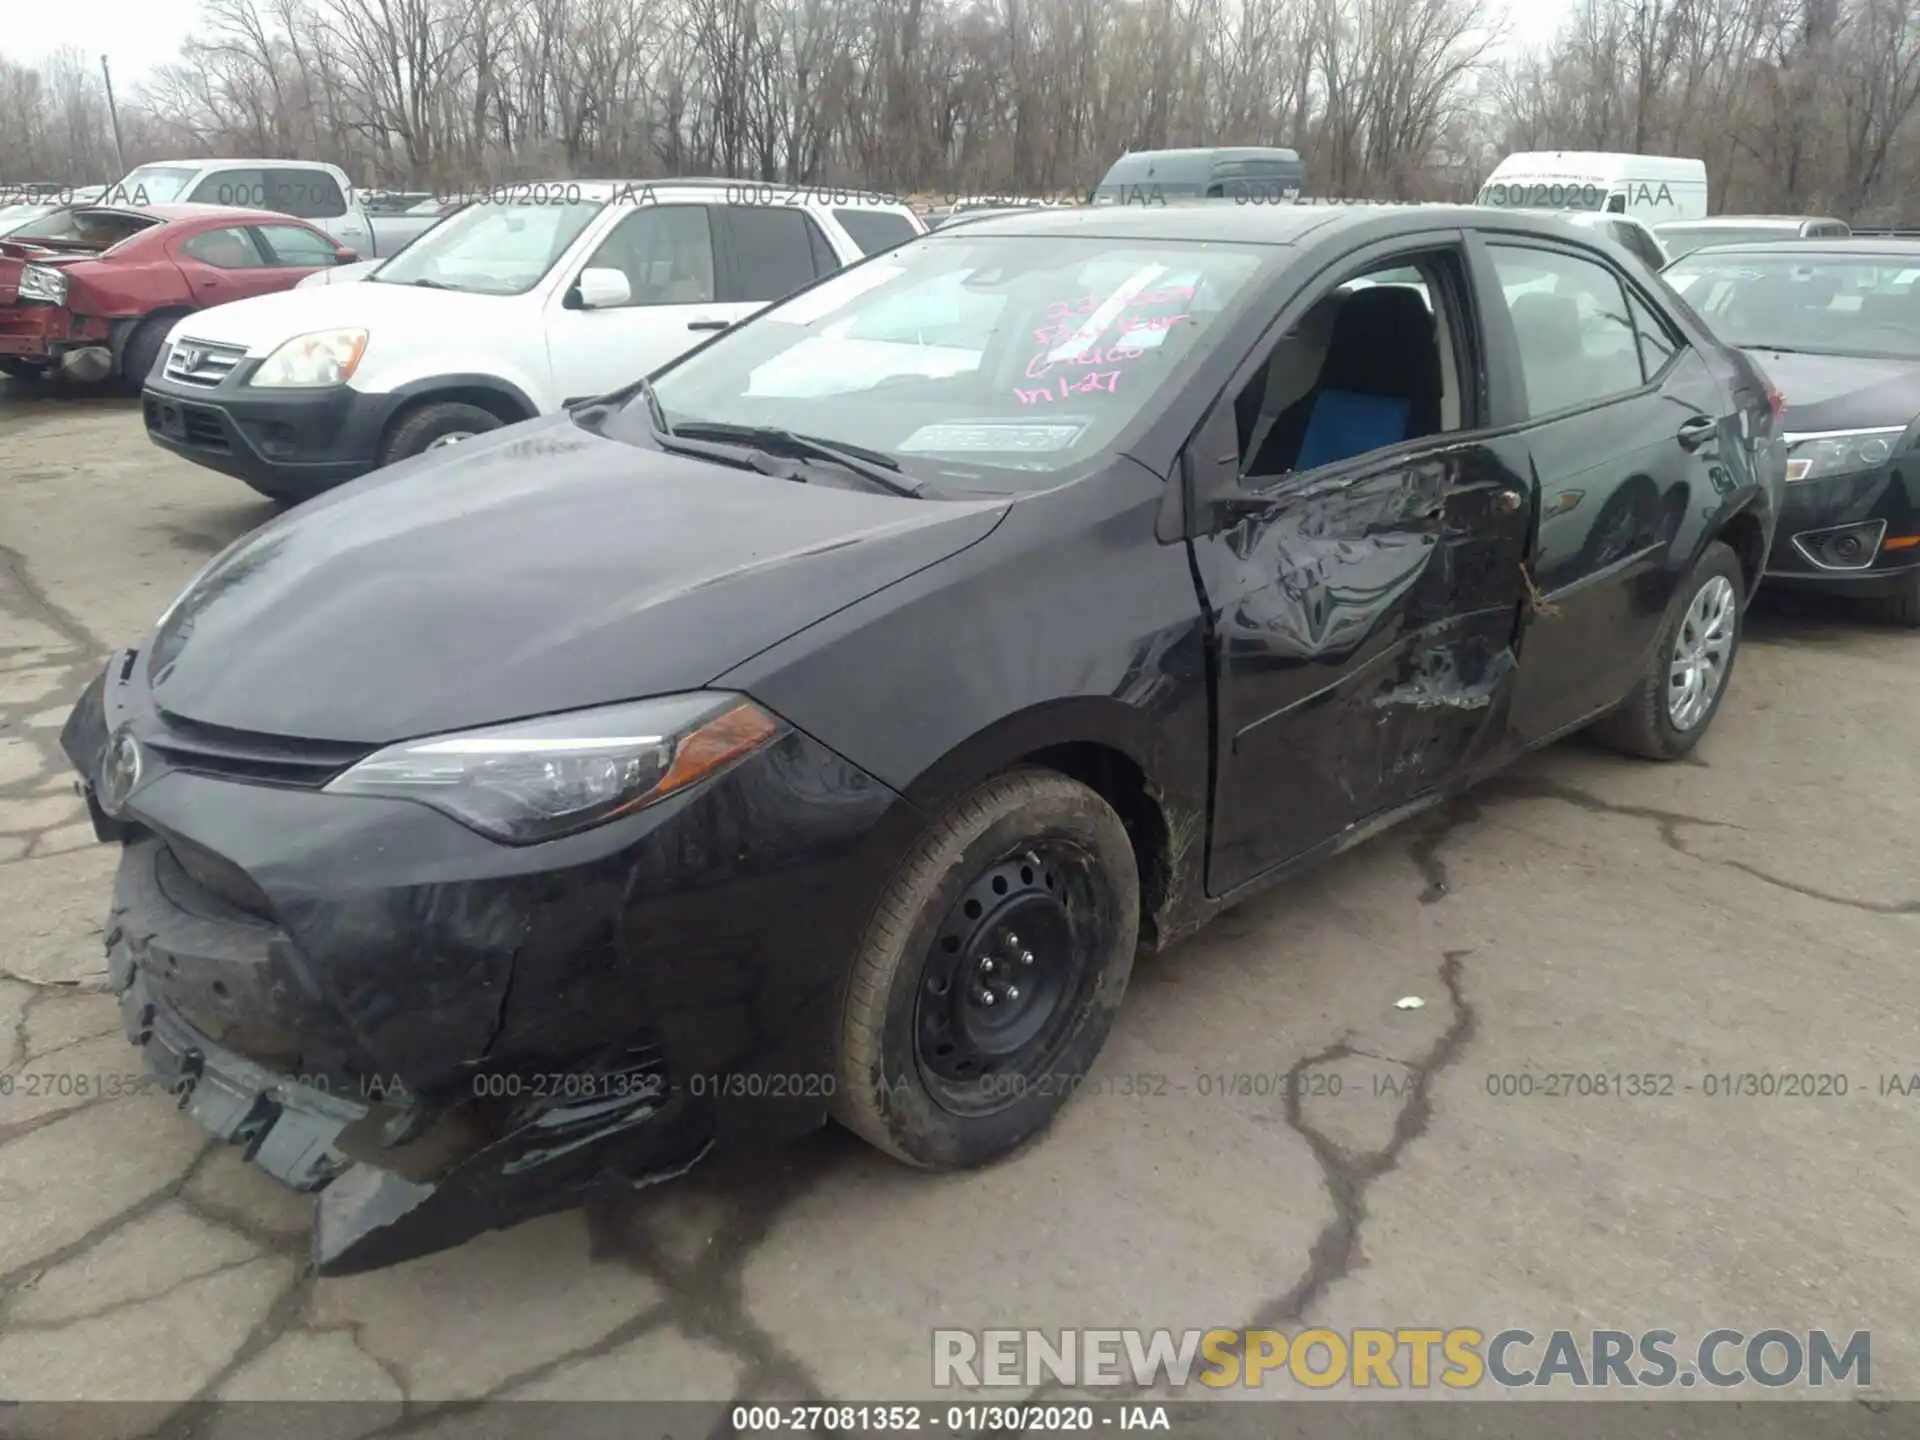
(343, 255)
(603, 289)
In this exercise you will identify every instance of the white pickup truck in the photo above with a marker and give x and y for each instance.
(309, 190)
(504, 311)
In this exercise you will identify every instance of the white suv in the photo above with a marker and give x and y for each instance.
(524, 303)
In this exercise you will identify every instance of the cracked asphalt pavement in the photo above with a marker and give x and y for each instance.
(1753, 911)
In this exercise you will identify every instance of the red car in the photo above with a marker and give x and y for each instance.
(92, 290)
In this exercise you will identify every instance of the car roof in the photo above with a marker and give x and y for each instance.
(1217, 151)
(1744, 220)
(1808, 250)
(1285, 224)
(200, 162)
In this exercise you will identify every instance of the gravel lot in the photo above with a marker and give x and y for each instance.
(1754, 910)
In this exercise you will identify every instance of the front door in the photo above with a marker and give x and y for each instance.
(667, 252)
(230, 262)
(1364, 596)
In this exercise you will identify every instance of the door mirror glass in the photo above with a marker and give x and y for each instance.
(603, 289)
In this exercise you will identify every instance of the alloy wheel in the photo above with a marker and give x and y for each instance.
(1701, 649)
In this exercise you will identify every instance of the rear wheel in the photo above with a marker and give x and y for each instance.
(142, 349)
(444, 422)
(1675, 700)
(990, 973)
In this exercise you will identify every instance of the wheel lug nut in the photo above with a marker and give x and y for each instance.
(986, 965)
(1013, 992)
(1026, 957)
(986, 997)
(1013, 941)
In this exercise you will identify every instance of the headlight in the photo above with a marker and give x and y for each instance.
(326, 357)
(43, 282)
(1839, 452)
(539, 779)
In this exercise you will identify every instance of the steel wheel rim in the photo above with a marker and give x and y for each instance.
(1702, 648)
(451, 438)
(1025, 932)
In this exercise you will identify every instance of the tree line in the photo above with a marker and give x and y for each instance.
(1800, 106)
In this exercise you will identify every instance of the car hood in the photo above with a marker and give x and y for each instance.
(264, 321)
(1842, 392)
(341, 274)
(535, 569)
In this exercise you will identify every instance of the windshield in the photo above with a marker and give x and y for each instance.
(1685, 239)
(153, 185)
(991, 353)
(1544, 195)
(491, 249)
(1819, 305)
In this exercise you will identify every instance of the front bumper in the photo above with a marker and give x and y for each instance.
(438, 1035)
(292, 444)
(1879, 505)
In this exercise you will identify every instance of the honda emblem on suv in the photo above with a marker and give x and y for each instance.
(188, 357)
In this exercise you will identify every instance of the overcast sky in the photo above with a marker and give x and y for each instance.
(137, 35)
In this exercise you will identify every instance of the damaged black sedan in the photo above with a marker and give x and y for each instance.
(819, 731)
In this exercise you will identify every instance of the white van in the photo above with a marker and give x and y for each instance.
(1651, 187)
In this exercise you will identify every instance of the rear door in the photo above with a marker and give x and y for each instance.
(1364, 611)
(1625, 420)
(227, 262)
(767, 252)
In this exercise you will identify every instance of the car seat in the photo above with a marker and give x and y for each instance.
(1380, 385)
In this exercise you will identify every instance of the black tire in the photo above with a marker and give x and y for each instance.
(142, 349)
(435, 421)
(24, 369)
(1901, 608)
(1643, 725)
(913, 972)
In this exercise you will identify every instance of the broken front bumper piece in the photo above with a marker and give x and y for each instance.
(395, 1179)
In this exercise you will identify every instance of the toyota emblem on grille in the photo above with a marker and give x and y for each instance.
(120, 772)
(189, 357)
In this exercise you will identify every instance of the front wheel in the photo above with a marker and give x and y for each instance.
(1900, 608)
(990, 973)
(445, 422)
(1675, 700)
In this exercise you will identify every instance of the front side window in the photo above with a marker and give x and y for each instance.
(1822, 305)
(1369, 365)
(490, 249)
(666, 253)
(1576, 338)
(229, 248)
(295, 247)
(1008, 353)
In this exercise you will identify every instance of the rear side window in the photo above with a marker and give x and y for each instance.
(293, 246)
(875, 230)
(246, 188)
(772, 252)
(228, 248)
(1577, 341)
(1657, 345)
(305, 194)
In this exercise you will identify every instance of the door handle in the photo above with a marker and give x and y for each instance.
(707, 324)
(1696, 432)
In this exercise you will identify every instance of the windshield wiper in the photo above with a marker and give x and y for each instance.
(426, 284)
(874, 466)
